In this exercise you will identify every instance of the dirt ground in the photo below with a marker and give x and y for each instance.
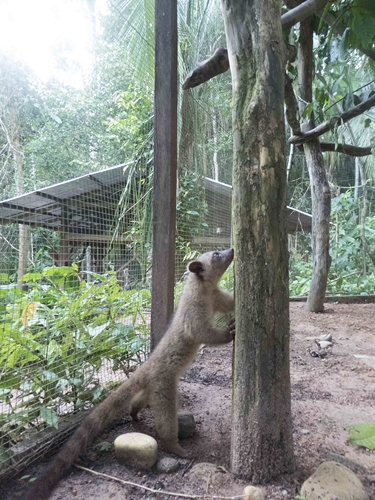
(328, 395)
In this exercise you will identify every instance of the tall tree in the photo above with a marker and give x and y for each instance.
(15, 110)
(320, 191)
(262, 443)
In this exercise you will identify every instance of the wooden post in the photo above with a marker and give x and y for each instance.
(63, 259)
(165, 157)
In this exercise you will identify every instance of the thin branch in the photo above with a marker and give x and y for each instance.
(347, 149)
(356, 90)
(181, 495)
(292, 116)
(218, 63)
(302, 11)
(336, 120)
(9, 243)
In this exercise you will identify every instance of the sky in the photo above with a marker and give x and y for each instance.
(34, 31)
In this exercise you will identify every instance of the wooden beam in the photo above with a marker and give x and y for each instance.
(165, 155)
(100, 238)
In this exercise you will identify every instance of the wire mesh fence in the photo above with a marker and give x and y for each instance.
(205, 143)
(75, 240)
(75, 231)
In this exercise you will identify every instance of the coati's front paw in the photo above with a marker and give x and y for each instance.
(231, 331)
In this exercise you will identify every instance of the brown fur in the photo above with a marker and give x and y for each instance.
(156, 381)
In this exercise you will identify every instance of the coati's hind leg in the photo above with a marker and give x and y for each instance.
(164, 406)
(139, 401)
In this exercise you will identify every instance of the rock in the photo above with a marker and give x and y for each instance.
(136, 449)
(209, 474)
(333, 481)
(186, 424)
(252, 493)
(167, 465)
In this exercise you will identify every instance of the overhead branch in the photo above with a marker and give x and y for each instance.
(218, 63)
(330, 124)
(302, 11)
(347, 149)
(292, 116)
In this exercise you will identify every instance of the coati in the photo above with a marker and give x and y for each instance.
(155, 382)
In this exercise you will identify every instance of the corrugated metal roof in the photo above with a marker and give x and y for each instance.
(296, 219)
(43, 207)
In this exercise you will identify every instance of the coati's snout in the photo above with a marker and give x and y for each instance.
(226, 255)
(222, 260)
(212, 265)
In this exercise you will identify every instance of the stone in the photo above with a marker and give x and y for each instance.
(167, 465)
(186, 424)
(333, 481)
(253, 493)
(136, 449)
(209, 474)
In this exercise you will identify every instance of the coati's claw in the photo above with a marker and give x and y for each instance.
(231, 332)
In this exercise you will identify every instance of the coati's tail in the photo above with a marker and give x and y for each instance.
(110, 409)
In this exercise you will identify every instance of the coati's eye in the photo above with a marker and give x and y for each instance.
(216, 255)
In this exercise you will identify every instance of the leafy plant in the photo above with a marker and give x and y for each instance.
(191, 210)
(349, 268)
(363, 435)
(57, 336)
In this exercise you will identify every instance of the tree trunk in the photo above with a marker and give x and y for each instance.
(23, 230)
(262, 444)
(320, 192)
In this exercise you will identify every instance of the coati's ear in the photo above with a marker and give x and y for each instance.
(196, 267)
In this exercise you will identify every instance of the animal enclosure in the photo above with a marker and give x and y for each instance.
(76, 207)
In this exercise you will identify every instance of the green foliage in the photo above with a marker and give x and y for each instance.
(363, 435)
(57, 335)
(191, 209)
(346, 276)
(362, 23)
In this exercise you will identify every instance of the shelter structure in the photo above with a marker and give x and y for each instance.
(218, 197)
(87, 212)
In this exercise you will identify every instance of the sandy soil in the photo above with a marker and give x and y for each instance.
(328, 395)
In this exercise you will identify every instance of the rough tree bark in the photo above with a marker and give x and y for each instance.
(262, 444)
(320, 192)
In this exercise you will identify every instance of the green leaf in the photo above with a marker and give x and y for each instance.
(72, 283)
(308, 110)
(49, 416)
(31, 277)
(48, 375)
(364, 28)
(363, 435)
